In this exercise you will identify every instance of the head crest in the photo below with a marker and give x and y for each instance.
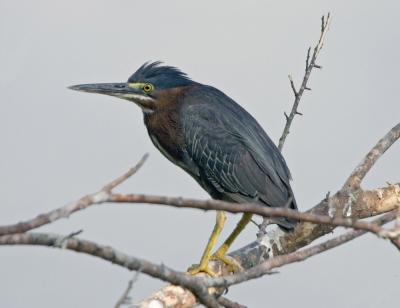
(161, 76)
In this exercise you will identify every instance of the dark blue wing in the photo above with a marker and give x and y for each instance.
(232, 151)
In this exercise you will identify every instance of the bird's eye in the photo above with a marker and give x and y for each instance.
(148, 87)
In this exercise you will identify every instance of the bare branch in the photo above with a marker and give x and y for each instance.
(198, 286)
(116, 257)
(396, 242)
(368, 203)
(293, 86)
(109, 187)
(278, 261)
(228, 303)
(320, 218)
(104, 252)
(264, 211)
(125, 298)
(167, 274)
(67, 210)
(393, 234)
(310, 64)
(62, 242)
(355, 178)
(169, 296)
(307, 59)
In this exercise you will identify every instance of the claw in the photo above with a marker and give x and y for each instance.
(232, 264)
(201, 268)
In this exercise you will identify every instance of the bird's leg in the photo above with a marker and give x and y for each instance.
(205, 259)
(220, 253)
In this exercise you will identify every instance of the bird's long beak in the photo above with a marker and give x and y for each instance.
(113, 89)
(121, 90)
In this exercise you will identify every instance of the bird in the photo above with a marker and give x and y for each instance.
(211, 137)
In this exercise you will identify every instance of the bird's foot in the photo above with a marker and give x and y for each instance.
(232, 265)
(201, 268)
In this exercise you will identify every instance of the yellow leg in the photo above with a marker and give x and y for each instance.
(203, 266)
(220, 253)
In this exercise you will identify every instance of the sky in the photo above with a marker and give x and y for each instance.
(58, 145)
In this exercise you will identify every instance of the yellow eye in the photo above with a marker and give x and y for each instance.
(148, 87)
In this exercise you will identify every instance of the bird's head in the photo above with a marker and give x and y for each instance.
(145, 87)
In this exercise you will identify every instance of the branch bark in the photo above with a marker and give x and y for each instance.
(193, 287)
(356, 177)
(116, 257)
(297, 256)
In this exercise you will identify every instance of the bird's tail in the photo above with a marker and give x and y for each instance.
(286, 224)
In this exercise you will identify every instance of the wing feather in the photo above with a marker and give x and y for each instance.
(233, 151)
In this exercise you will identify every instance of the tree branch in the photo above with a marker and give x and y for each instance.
(116, 257)
(228, 303)
(197, 285)
(365, 199)
(355, 178)
(67, 210)
(125, 298)
(297, 256)
(254, 208)
(309, 67)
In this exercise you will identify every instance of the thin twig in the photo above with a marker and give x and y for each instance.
(63, 241)
(394, 233)
(293, 87)
(109, 187)
(396, 242)
(125, 299)
(310, 64)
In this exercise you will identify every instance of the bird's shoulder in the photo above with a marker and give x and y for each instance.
(229, 127)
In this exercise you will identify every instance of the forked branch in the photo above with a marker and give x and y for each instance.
(310, 65)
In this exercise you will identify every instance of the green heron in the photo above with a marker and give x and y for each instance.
(211, 137)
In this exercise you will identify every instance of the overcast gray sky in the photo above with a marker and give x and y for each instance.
(57, 145)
